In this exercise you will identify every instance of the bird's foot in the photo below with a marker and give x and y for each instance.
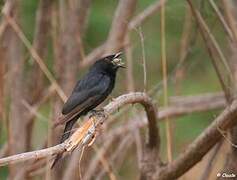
(112, 99)
(94, 112)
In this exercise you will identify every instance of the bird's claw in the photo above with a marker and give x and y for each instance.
(112, 99)
(99, 112)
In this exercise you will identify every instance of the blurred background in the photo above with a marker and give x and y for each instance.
(46, 46)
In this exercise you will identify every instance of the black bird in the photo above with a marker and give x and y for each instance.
(89, 92)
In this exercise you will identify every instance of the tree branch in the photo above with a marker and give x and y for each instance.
(86, 133)
(32, 155)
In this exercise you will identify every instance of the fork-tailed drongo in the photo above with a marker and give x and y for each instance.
(90, 91)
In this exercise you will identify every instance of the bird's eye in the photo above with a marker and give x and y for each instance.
(108, 60)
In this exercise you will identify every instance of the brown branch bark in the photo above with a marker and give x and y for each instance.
(32, 155)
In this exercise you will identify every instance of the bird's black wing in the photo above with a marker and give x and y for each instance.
(83, 93)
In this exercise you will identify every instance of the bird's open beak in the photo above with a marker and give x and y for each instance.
(118, 61)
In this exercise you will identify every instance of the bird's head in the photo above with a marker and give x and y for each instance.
(111, 63)
(115, 60)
